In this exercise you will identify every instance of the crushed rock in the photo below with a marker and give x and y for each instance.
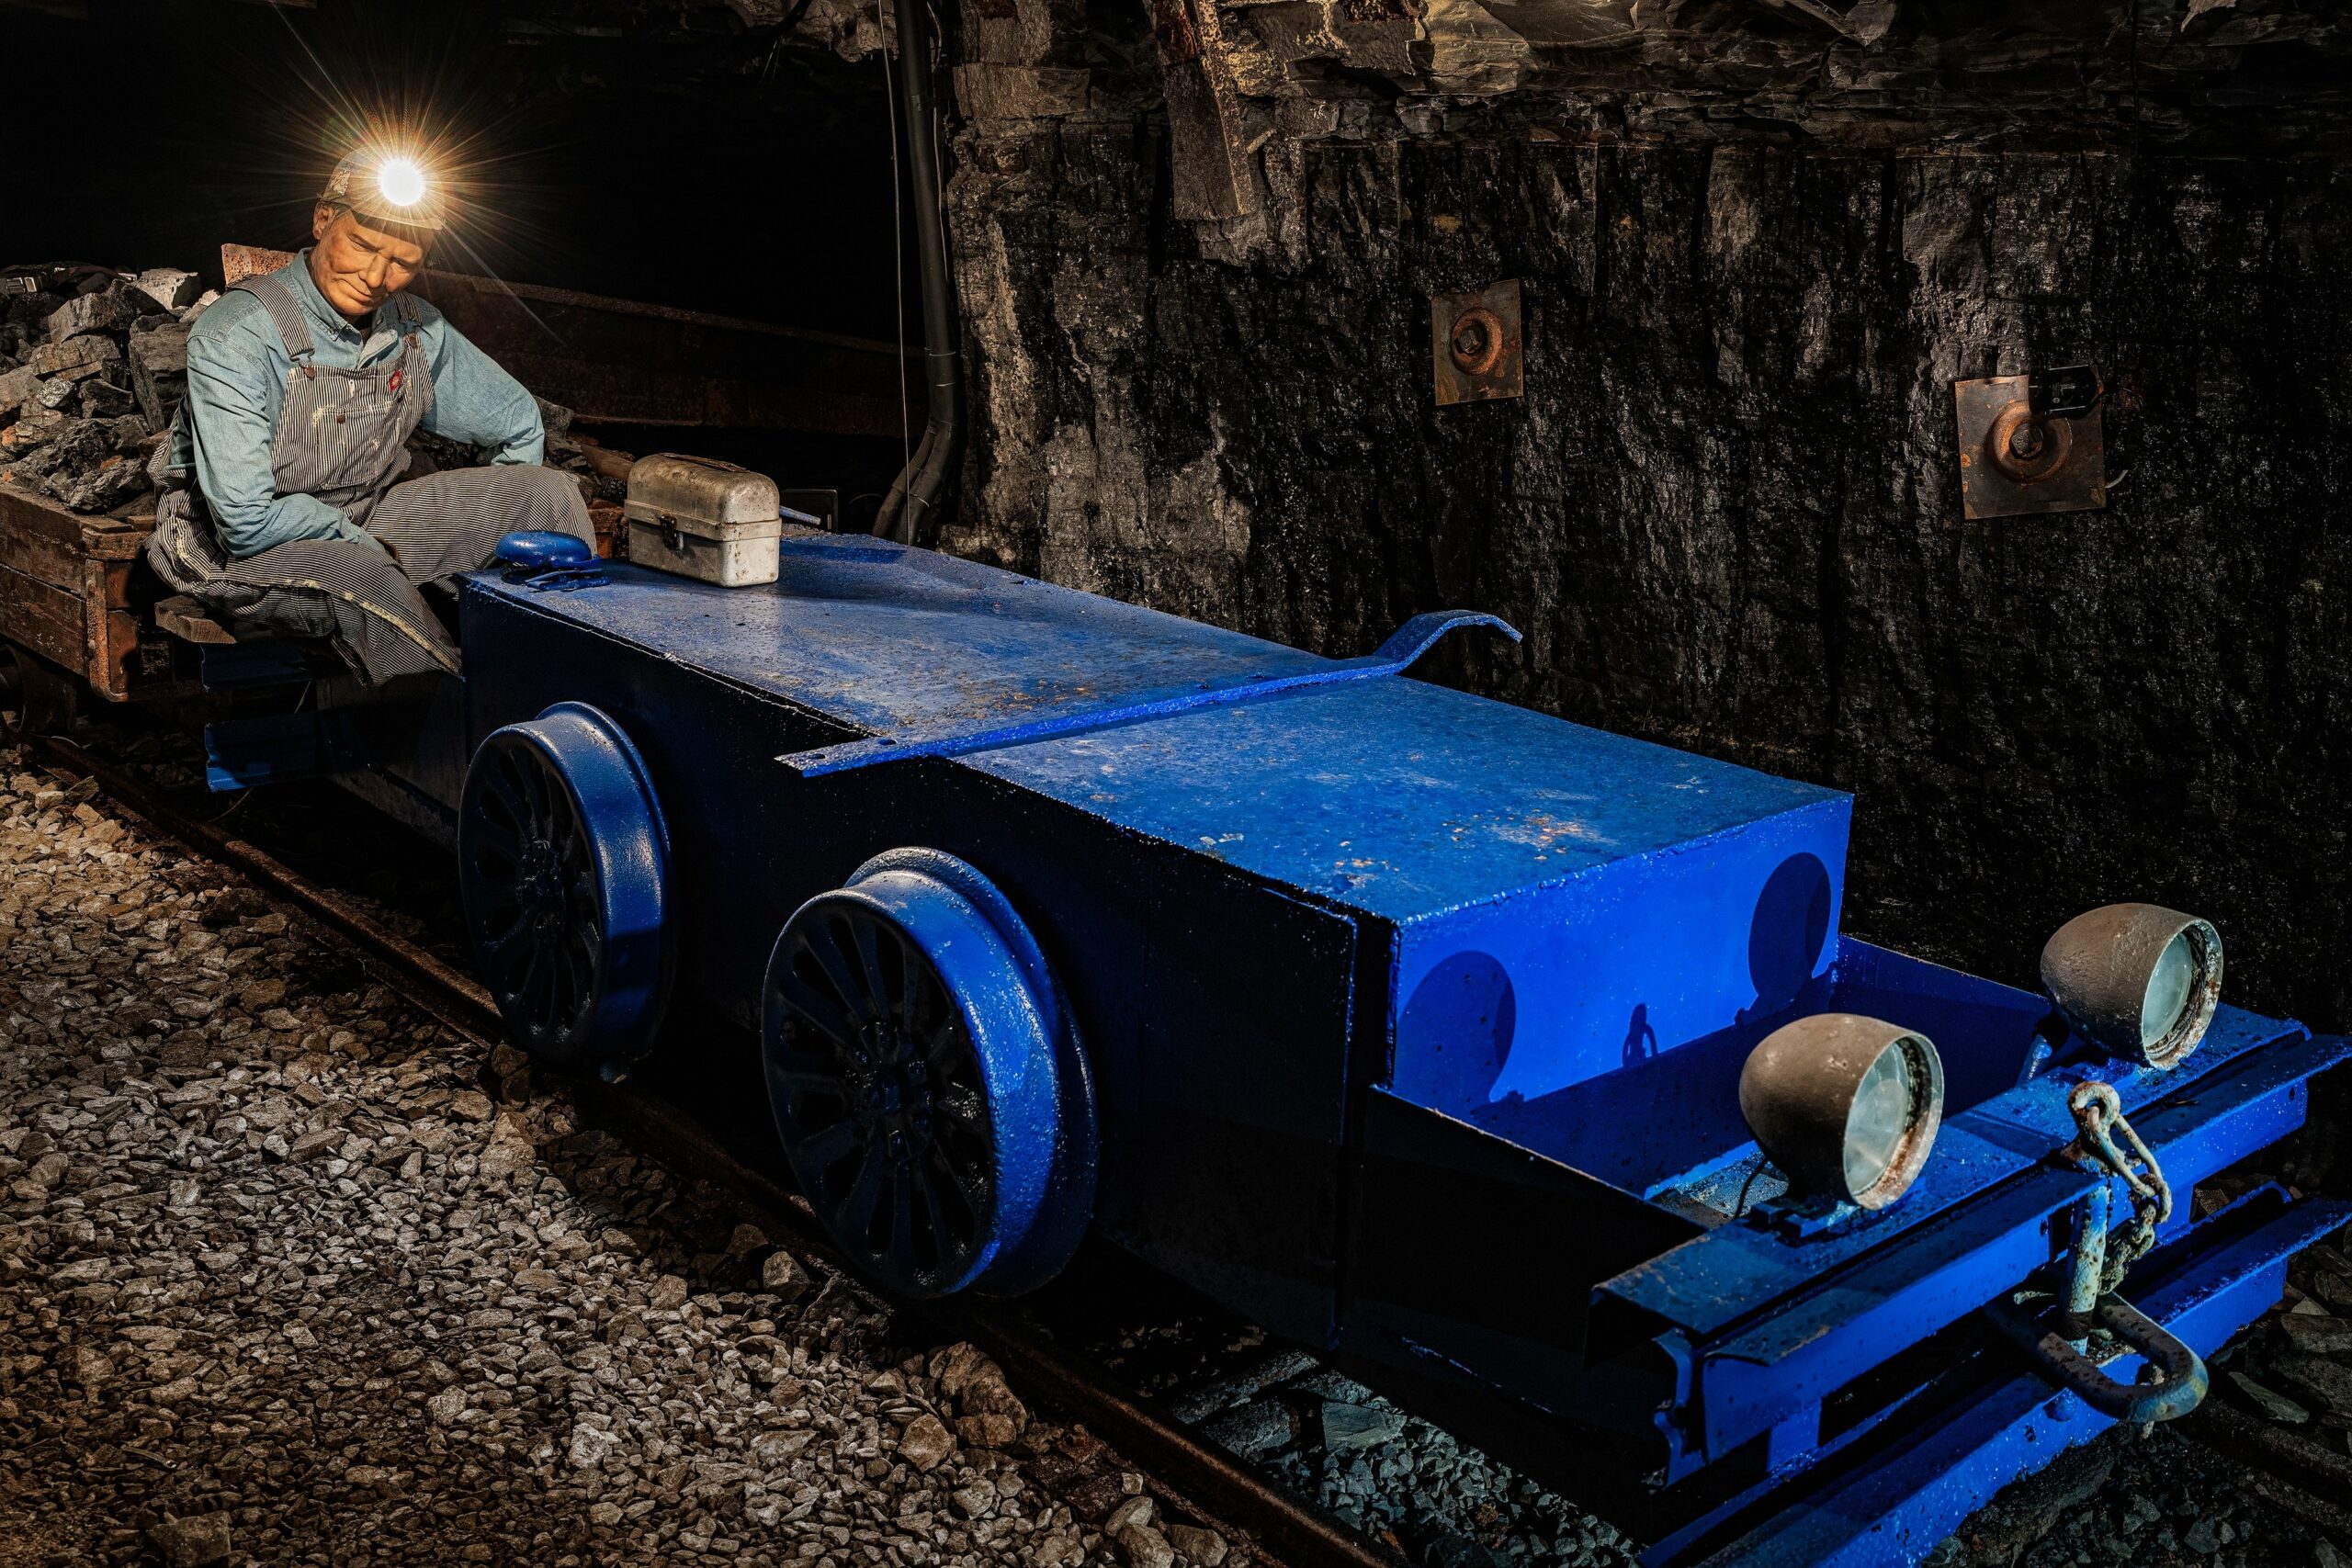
(278, 1278)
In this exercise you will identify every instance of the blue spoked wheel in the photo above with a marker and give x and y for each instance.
(928, 1086)
(563, 863)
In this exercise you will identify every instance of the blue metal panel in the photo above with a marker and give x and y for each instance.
(1532, 991)
(1397, 798)
(1391, 797)
(888, 640)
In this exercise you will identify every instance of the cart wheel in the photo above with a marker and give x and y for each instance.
(563, 862)
(43, 697)
(928, 1086)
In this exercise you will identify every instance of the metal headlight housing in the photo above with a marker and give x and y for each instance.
(2141, 980)
(1847, 1106)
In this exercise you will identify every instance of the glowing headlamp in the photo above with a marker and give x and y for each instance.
(401, 181)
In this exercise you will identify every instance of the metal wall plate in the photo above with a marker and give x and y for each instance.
(2013, 464)
(1474, 340)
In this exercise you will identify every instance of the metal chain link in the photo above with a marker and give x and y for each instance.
(2099, 1121)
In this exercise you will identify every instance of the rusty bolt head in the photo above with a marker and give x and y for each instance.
(1477, 342)
(2026, 449)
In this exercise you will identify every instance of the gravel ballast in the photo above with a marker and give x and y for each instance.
(289, 1273)
(281, 1280)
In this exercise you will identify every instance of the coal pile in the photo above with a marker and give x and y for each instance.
(93, 365)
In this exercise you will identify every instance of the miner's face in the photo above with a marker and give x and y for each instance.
(358, 265)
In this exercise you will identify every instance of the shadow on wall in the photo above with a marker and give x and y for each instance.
(1456, 1033)
(1669, 1105)
(1785, 938)
(1459, 1022)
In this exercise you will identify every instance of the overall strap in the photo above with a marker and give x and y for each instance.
(284, 314)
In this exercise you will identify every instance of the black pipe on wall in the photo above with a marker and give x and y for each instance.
(916, 495)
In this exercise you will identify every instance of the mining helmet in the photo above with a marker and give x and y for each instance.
(387, 187)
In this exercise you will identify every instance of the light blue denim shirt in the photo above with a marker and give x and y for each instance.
(236, 381)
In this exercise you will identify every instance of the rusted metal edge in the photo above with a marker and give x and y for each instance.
(1202, 1480)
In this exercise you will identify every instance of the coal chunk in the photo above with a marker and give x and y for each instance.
(101, 399)
(1258, 1427)
(89, 351)
(78, 445)
(17, 387)
(33, 308)
(107, 309)
(1360, 1426)
(159, 372)
(117, 481)
(37, 464)
(35, 426)
(169, 287)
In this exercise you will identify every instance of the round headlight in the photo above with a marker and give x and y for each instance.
(1847, 1106)
(2141, 981)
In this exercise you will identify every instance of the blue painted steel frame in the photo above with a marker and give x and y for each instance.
(1894, 1486)
(1483, 982)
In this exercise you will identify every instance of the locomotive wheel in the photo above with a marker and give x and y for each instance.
(562, 860)
(927, 1086)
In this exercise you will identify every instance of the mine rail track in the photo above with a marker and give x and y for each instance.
(1189, 1472)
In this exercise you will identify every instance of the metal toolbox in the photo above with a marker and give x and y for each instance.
(701, 518)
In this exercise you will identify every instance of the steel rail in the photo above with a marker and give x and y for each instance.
(1201, 1480)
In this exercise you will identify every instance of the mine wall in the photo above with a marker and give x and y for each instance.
(1196, 260)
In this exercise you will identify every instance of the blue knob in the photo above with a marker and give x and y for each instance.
(541, 550)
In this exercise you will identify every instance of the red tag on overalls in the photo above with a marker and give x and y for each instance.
(395, 384)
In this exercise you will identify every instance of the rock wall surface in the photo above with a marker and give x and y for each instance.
(1726, 512)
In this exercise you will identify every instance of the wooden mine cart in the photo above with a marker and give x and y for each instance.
(68, 600)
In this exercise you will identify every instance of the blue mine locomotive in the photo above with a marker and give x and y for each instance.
(1522, 1067)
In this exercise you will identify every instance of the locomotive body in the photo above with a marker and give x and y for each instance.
(1412, 1025)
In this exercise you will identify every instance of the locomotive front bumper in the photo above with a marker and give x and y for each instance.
(1896, 1482)
(1751, 1386)
(1835, 1319)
